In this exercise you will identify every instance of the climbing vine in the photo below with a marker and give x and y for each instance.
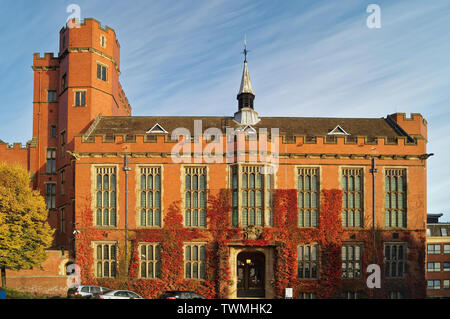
(285, 236)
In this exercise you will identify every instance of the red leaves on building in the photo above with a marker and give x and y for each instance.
(285, 236)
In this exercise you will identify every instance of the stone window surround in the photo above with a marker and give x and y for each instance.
(138, 191)
(94, 193)
(154, 244)
(183, 190)
(239, 178)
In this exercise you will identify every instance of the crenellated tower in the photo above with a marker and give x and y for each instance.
(70, 91)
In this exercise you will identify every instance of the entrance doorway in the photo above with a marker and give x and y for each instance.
(250, 274)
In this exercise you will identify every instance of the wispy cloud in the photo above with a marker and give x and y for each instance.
(308, 58)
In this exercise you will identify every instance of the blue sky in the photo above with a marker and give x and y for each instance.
(308, 58)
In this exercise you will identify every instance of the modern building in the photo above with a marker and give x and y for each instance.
(239, 205)
(438, 258)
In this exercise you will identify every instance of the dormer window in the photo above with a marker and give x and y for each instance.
(444, 232)
(338, 130)
(249, 130)
(157, 129)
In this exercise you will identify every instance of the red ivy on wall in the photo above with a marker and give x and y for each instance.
(285, 236)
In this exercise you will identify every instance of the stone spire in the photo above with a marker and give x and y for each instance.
(246, 84)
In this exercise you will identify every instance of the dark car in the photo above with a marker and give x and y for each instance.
(84, 291)
(181, 295)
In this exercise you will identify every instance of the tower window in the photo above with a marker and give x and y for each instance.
(52, 130)
(80, 98)
(63, 143)
(51, 96)
(62, 221)
(64, 82)
(63, 181)
(103, 41)
(101, 72)
(51, 161)
(50, 195)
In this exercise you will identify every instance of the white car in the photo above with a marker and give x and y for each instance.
(85, 291)
(117, 294)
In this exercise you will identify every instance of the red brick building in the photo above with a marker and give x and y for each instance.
(229, 206)
(438, 258)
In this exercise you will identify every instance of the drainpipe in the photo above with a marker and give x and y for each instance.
(126, 169)
(374, 170)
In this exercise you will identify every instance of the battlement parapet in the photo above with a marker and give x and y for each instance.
(47, 61)
(296, 139)
(415, 125)
(13, 146)
(91, 22)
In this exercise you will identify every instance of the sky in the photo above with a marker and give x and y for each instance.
(307, 58)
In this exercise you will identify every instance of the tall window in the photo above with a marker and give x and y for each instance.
(63, 143)
(51, 161)
(101, 72)
(150, 201)
(52, 130)
(63, 181)
(394, 259)
(50, 195)
(64, 82)
(51, 96)
(63, 221)
(446, 249)
(308, 197)
(106, 260)
(255, 191)
(80, 98)
(351, 261)
(307, 261)
(194, 261)
(195, 197)
(352, 197)
(106, 196)
(395, 198)
(150, 259)
(103, 41)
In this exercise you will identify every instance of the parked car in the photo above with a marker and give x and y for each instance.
(84, 291)
(117, 294)
(181, 295)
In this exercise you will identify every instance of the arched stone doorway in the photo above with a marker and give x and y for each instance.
(251, 274)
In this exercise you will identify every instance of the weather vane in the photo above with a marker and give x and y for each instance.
(245, 48)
